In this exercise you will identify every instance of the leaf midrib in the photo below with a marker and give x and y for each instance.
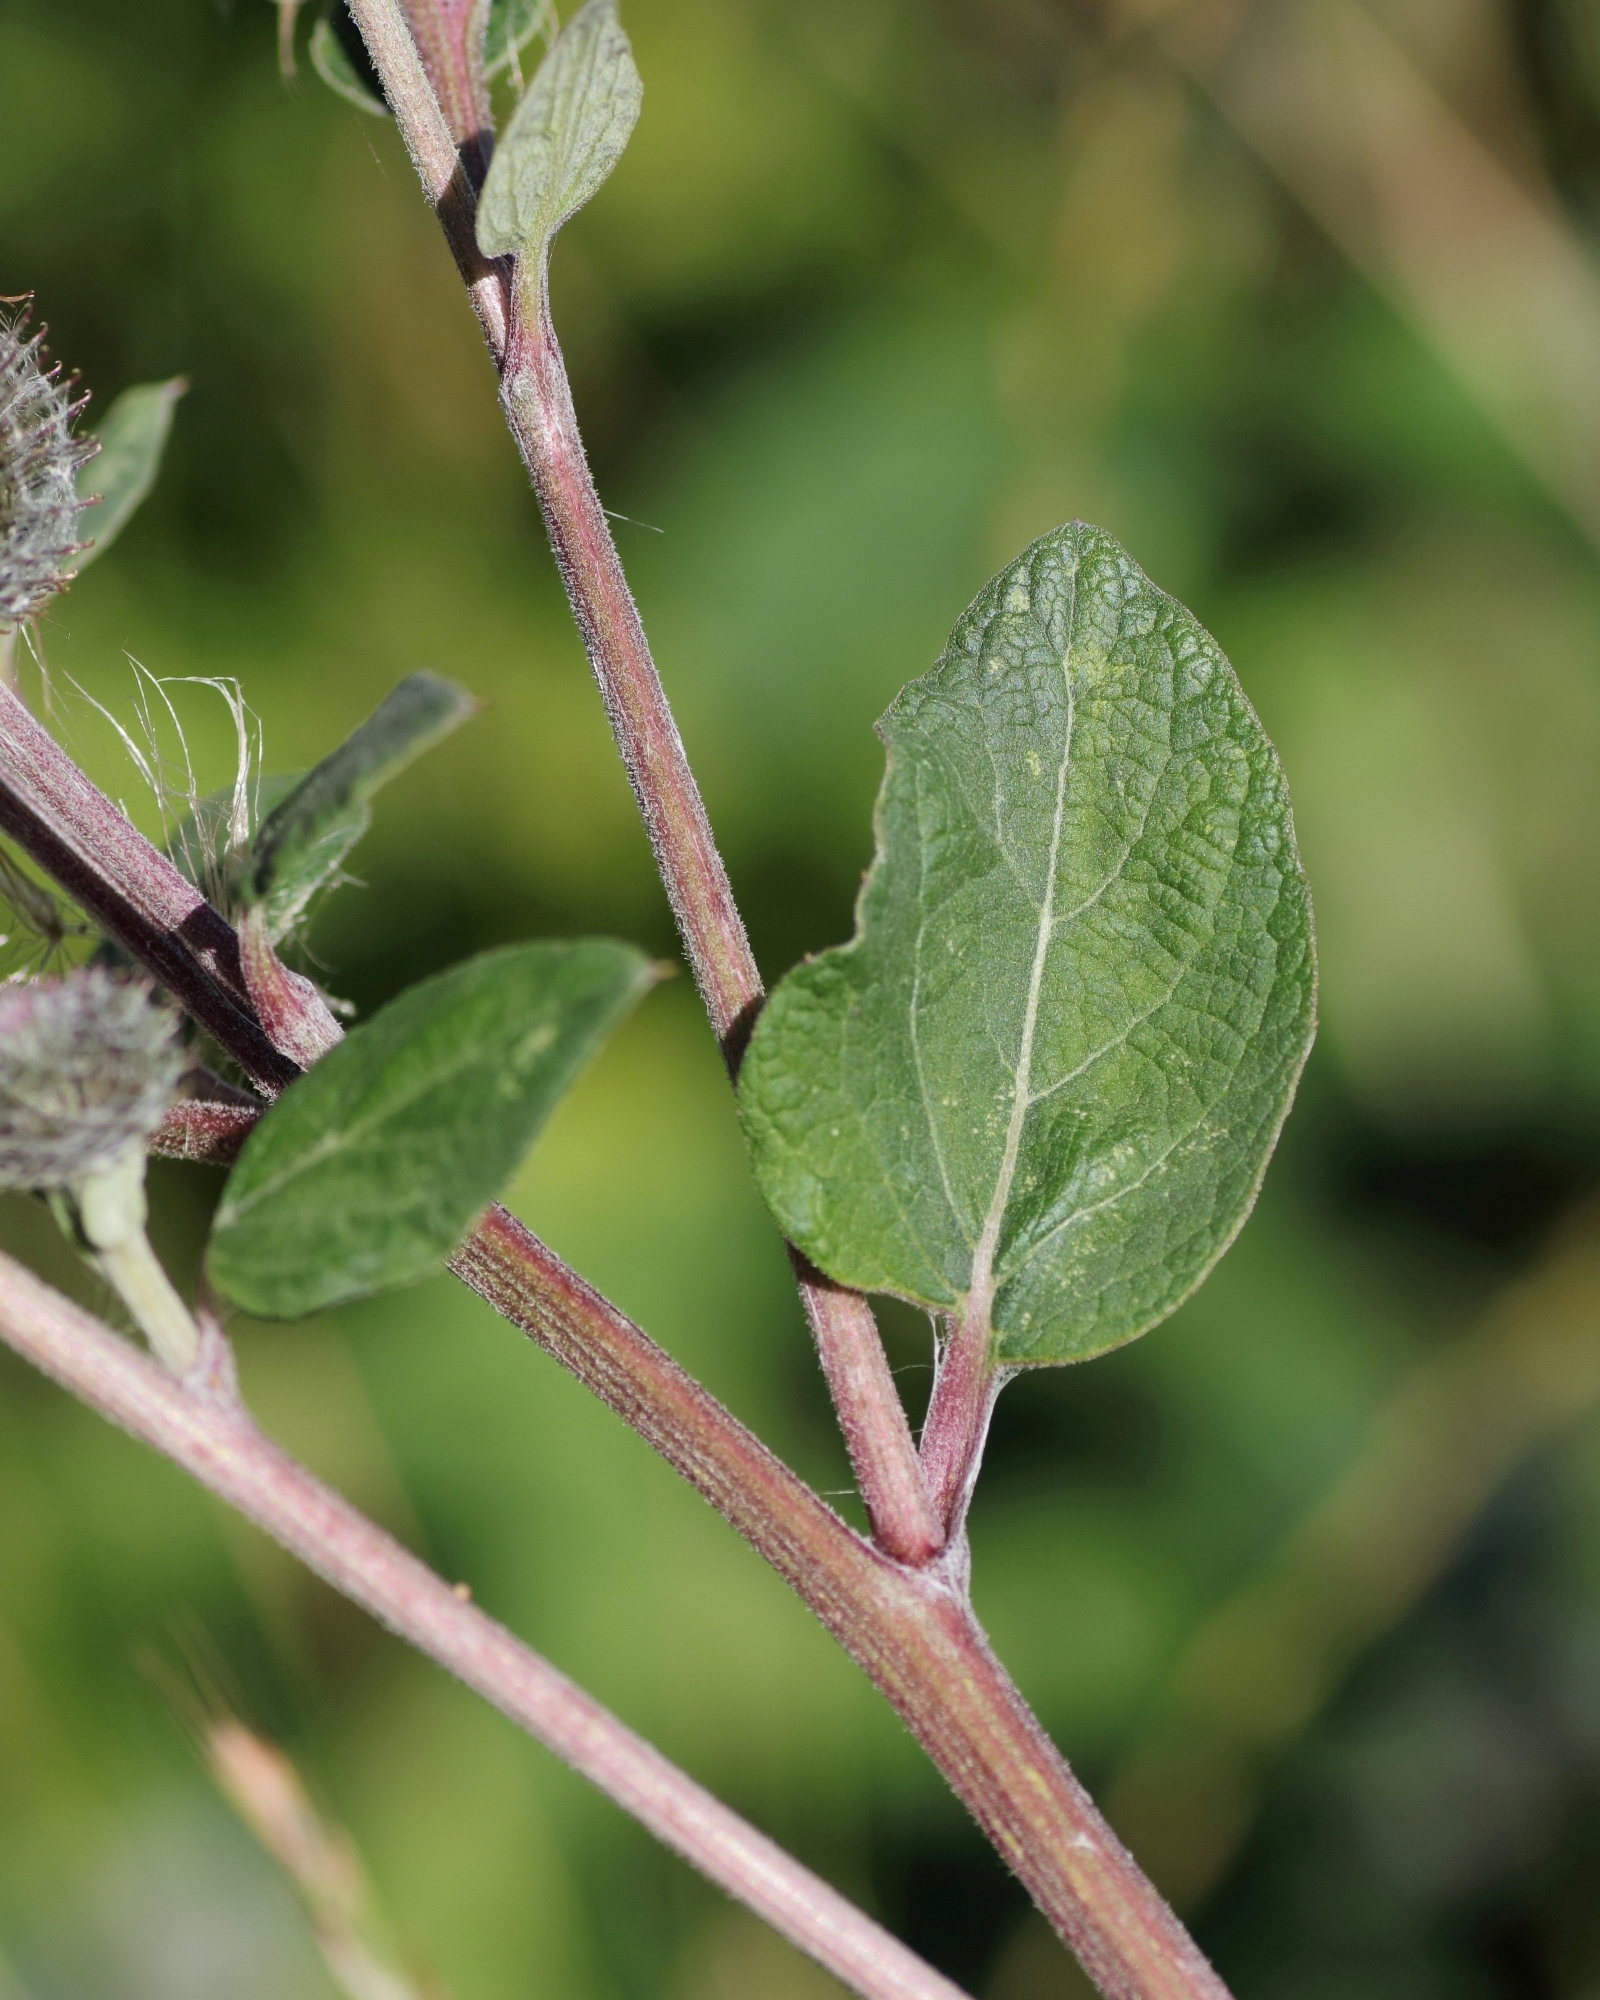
(980, 1294)
(350, 1137)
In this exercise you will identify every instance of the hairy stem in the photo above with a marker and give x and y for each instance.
(449, 35)
(135, 895)
(447, 180)
(202, 1426)
(538, 407)
(912, 1630)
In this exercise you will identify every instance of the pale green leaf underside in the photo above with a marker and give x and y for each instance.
(117, 479)
(369, 1171)
(1049, 1069)
(564, 138)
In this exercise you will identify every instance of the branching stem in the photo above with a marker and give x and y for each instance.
(202, 1425)
(912, 1630)
(911, 1627)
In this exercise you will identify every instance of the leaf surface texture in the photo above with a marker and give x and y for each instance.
(371, 1168)
(564, 138)
(1044, 1079)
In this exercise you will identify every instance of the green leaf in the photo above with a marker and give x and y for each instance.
(564, 137)
(512, 25)
(306, 836)
(344, 68)
(1043, 1081)
(115, 481)
(370, 1169)
(199, 847)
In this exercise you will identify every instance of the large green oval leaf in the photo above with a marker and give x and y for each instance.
(1044, 1079)
(370, 1169)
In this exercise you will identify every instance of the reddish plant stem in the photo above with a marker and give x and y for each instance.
(917, 1637)
(912, 1630)
(74, 832)
(449, 35)
(201, 1424)
(446, 179)
(965, 1386)
(905, 1523)
(538, 405)
(538, 408)
(197, 1129)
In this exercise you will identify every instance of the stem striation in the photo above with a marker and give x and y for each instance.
(912, 1629)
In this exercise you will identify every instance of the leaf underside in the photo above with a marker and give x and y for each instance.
(564, 138)
(1044, 1079)
(369, 1171)
(339, 57)
(199, 846)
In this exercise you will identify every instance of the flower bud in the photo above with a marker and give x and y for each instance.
(39, 461)
(88, 1064)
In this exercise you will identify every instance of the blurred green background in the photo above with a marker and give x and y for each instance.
(1297, 300)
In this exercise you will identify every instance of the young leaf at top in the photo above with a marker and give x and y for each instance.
(115, 481)
(372, 1167)
(563, 139)
(1042, 1082)
(305, 837)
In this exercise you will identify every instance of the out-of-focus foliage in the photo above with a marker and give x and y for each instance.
(879, 292)
(132, 436)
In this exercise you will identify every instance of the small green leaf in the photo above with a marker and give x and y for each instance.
(564, 137)
(1043, 1081)
(115, 481)
(339, 57)
(512, 25)
(306, 836)
(370, 1169)
(199, 847)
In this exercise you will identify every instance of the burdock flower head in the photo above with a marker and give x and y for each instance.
(39, 461)
(88, 1064)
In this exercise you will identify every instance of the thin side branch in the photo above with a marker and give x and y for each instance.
(201, 1425)
(538, 406)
